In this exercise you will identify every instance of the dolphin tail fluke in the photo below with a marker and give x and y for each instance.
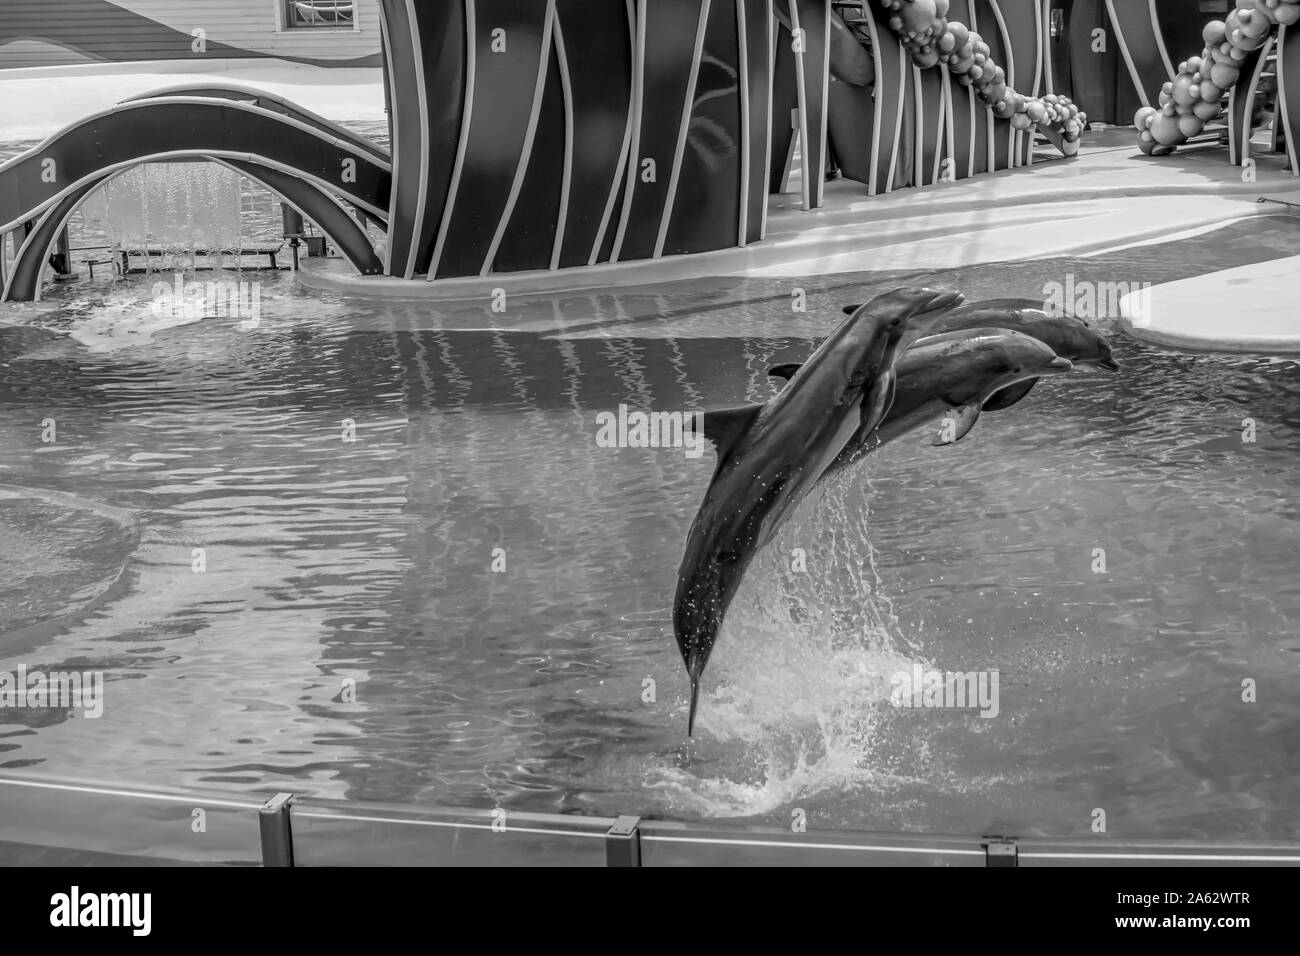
(695, 699)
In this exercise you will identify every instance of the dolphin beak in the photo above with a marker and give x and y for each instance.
(694, 668)
(1059, 364)
(945, 301)
(695, 699)
(1109, 364)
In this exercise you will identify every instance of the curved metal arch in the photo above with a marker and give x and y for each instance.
(24, 281)
(276, 104)
(128, 133)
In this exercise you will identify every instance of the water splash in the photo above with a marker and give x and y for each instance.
(800, 680)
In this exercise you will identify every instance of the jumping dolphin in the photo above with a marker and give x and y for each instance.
(770, 456)
(1076, 339)
(951, 375)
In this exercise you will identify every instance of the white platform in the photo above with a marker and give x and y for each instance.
(1251, 308)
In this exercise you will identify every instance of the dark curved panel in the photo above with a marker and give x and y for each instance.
(409, 142)
(1288, 79)
(598, 45)
(1181, 24)
(814, 20)
(971, 119)
(444, 56)
(24, 281)
(893, 70)
(706, 208)
(852, 112)
(1093, 74)
(529, 239)
(670, 28)
(785, 100)
(1241, 106)
(1132, 22)
(758, 15)
(136, 130)
(931, 124)
(276, 104)
(1059, 13)
(999, 131)
(504, 83)
(1026, 61)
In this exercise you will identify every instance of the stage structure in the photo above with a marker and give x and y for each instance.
(561, 134)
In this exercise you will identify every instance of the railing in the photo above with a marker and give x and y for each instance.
(47, 821)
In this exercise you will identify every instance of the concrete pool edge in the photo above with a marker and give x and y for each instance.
(54, 821)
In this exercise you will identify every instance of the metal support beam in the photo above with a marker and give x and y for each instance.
(1001, 851)
(623, 843)
(277, 834)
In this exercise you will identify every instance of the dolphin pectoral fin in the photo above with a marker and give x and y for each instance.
(786, 372)
(956, 424)
(726, 426)
(1009, 396)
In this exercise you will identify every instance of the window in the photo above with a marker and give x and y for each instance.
(309, 14)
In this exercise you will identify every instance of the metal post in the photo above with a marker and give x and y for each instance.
(623, 843)
(62, 258)
(277, 834)
(1001, 851)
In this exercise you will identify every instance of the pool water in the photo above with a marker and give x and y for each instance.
(348, 635)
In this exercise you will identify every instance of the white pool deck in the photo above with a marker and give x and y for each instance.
(1109, 197)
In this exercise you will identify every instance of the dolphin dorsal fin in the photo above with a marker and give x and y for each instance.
(1009, 396)
(956, 424)
(786, 372)
(850, 309)
(726, 426)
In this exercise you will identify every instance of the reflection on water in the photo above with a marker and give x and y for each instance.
(348, 636)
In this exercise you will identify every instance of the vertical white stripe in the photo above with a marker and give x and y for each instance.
(1160, 39)
(826, 99)
(393, 146)
(566, 185)
(769, 121)
(801, 86)
(638, 105)
(1013, 152)
(467, 115)
(422, 99)
(918, 134)
(903, 62)
(1128, 59)
(949, 151)
(688, 107)
(877, 110)
(974, 128)
(530, 136)
(742, 28)
(1249, 111)
(627, 141)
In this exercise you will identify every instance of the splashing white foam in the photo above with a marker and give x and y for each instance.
(801, 674)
